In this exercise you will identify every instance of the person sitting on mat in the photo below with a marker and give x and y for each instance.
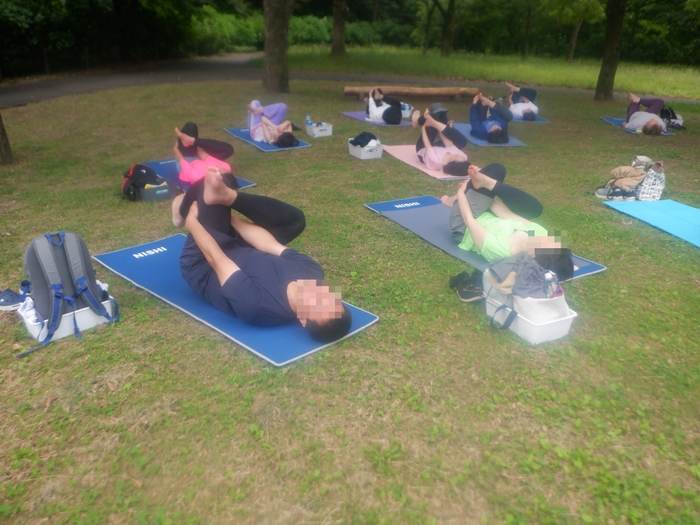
(208, 152)
(268, 124)
(489, 120)
(649, 121)
(381, 108)
(521, 102)
(448, 158)
(243, 268)
(502, 228)
(434, 137)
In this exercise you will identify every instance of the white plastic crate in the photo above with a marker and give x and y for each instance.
(368, 152)
(533, 333)
(320, 129)
(85, 318)
(407, 113)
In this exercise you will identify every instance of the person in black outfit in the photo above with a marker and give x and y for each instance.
(216, 148)
(244, 268)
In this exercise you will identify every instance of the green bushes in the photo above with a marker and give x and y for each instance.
(215, 32)
(218, 33)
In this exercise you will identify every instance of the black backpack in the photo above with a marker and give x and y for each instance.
(61, 279)
(137, 177)
(667, 113)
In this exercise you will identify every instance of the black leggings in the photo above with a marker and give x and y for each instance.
(284, 221)
(216, 148)
(482, 111)
(459, 140)
(528, 93)
(518, 201)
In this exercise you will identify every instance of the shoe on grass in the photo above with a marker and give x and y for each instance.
(9, 300)
(613, 193)
(470, 293)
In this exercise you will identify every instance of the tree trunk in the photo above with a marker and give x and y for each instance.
(340, 15)
(5, 151)
(376, 11)
(428, 21)
(45, 56)
(86, 53)
(572, 40)
(615, 12)
(276, 69)
(447, 30)
(528, 24)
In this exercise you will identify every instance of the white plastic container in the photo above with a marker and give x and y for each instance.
(320, 129)
(533, 333)
(368, 152)
(407, 113)
(85, 318)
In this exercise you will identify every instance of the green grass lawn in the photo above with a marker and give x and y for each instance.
(670, 81)
(429, 416)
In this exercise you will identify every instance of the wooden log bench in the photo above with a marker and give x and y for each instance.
(409, 91)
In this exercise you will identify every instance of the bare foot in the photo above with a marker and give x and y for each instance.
(215, 191)
(255, 111)
(512, 88)
(185, 139)
(178, 220)
(633, 98)
(414, 118)
(448, 201)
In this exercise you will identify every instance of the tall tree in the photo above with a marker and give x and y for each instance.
(340, 15)
(447, 29)
(575, 13)
(5, 151)
(615, 12)
(276, 71)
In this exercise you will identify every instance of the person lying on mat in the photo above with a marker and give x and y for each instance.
(434, 137)
(502, 228)
(521, 102)
(207, 152)
(381, 108)
(489, 120)
(268, 124)
(448, 158)
(649, 121)
(243, 268)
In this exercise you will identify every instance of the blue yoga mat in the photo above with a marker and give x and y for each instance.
(360, 115)
(465, 130)
(155, 267)
(538, 120)
(244, 135)
(169, 169)
(618, 122)
(670, 216)
(428, 218)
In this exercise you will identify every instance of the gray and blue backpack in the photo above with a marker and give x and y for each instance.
(61, 279)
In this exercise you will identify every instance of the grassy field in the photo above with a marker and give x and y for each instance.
(670, 81)
(428, 417)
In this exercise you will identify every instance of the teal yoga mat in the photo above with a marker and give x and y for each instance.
(667, 215)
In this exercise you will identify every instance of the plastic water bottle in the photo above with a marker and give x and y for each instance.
(308, 120)
(551, 284)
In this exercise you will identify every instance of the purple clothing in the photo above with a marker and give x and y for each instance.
(653, 105)
(275, 112)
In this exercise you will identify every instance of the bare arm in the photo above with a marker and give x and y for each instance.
(499, 209)
(217, 259)
(269, 130)
(476, 230)
(258, 237)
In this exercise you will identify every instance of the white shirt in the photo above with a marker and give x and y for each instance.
(375, 112)
(517, 109)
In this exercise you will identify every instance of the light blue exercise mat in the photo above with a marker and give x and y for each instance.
(538, 120)
(668, 215)
(428, 218)
(244, 135)
(360, 115)
(169, 169)
(465, 129)
(618, 123)
(155, 267)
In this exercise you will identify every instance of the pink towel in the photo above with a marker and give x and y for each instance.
(408, 155)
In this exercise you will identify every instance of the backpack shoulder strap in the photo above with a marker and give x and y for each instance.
(44, 254)
(78, 268)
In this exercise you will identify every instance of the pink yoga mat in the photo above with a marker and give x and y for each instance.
(408, 155)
